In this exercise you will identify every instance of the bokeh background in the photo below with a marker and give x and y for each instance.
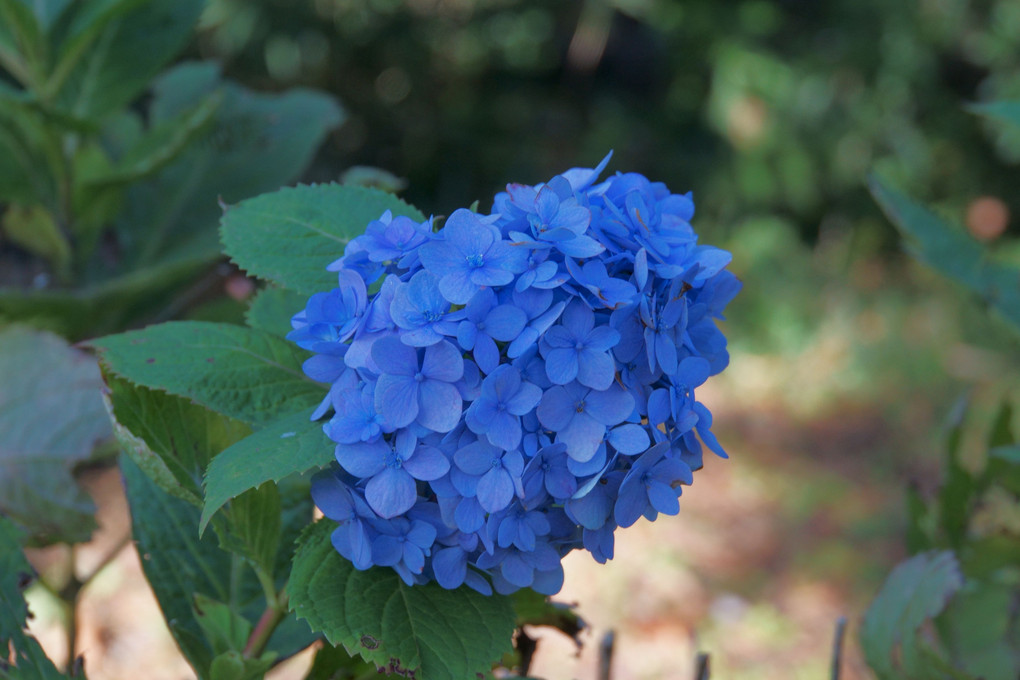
(846, 355)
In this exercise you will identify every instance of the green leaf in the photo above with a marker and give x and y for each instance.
(256, 143)
(335, 663)
(125, 56)
(33, 228)
(240, 372)
(289, 236)
(160, 145)
(289, 445)
(916, 591)
(1004, 111)
(180, 566)
(92, 310)
(952, 252)
(170, 438)
(535, 609)
(272, 308)
(15, 575)
(233, 665)
(976, 626)
(425, 630)
(51, 418)
(254, 528)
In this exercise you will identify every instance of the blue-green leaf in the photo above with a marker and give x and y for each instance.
(290, 236)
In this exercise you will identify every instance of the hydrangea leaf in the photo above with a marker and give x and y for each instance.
(917, 590)
(51, 418)
(289, 445)
(180, 565)
(127, 53)
(977, 626)
(423, 630)
(290, 236)
(172, 439)
(240, 372)
(15, 575)
(952, 252)
(222, 163)
(272, 308)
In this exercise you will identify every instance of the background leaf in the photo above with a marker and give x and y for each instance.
(917, 590)
(432, 632)
(51, 418)
(240, 372)
(256, 143)
(952, 252)
(127, 54)
(288, 237)
(291, 445)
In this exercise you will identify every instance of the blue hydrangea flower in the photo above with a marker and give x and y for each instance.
(520, 384)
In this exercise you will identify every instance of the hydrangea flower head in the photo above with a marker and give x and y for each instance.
(520, 384)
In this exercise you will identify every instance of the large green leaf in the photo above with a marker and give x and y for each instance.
(51, 418)
(916, 591)
(240, 372)
(129, 51)
(15, 575)
(952, 252)
(256, 143)
(426, 631)
(289, 236)
(171, 438)
(272, 308)
(289, 445)
(977, 625)
(180, 565)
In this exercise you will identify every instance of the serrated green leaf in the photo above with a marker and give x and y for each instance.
(257, 142)
(288, 237)
(952, 252)
(233, 665)
(51, 418)
(240, 372)
(15, 575)
(535, 609)
(425, 630)
(272, 308)
(335, 663)
(176, 438)
(917, 590)
(290, 445)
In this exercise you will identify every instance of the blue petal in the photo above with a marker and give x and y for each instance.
(631, 504)
(561, 365)
(440, 406)
(396, 399)
(363, 459)
(450, 567)
(495, 490)
(390, 493)
(594, 369)
(662, 497)
(427, 463)
(582, 437)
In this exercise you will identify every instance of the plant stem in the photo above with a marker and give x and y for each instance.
(837, 648)
(268, 622)
(702, 670)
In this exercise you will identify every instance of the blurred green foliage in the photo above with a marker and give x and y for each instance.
(759, 106)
